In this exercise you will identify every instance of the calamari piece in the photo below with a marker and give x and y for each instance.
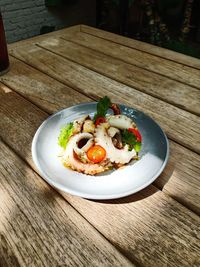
(83, 142)
(115, 108)
(112, 131)
(88, 126)
(70, 159)
(78, 124)
(121, 122)
(116, 155)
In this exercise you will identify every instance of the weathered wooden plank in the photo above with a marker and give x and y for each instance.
(142, 46)
(145, 226)
(165, 226)
(138, 58)
(32, 40)
(51, 95)
(152, 227)
(180, 179)
(172, 119)
(170, 91)
(44, 91)
(149, 227)
(39, 228)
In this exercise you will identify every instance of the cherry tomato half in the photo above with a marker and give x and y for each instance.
(100, 120)
(136, 133)
(96, 153)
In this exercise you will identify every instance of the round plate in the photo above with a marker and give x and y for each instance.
(113, 184)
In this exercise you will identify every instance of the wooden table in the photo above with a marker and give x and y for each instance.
(158, 226)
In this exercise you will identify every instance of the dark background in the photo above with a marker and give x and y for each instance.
(173, 24)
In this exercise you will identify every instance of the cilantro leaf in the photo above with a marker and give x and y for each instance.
(102, 107)
(65, 134)
(130, 139)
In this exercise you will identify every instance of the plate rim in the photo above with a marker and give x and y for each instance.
(57, 186)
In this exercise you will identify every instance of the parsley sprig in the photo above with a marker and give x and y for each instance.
(102, 107)
(131, 140)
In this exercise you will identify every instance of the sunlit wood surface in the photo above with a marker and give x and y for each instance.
(39, 226)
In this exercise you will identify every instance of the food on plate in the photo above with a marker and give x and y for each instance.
(104, 142)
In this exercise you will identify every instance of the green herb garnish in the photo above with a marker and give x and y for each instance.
(137, 147)
(65, 134)
(102, 107)
(130, 139)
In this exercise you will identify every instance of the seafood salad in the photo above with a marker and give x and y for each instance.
(104, 142)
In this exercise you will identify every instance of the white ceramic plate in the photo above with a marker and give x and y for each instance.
(113, 184)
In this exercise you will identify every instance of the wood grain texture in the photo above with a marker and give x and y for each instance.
(172, 119)
(39, 228)
(148, 226)
(141, 59)
(47, 93)
(177, 226)
(142, 46)
(181, 177)
(37, 38)
(15, 135)
(170, 91)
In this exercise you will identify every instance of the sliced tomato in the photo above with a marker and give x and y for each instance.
(96, 154)
(136, 133)
(100, 120)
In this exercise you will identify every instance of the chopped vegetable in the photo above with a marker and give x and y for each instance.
(136, 133)
(88, 126)
(137, 147)
(115, 108)
(96, 145)
(65, 134)
(100, 120)
(102, 107)
(96, 154)
(130, 138)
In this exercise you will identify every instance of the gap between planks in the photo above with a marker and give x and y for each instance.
(163, 207)
(91, 95)
(96, 237)
(159, 185)
(104, 73)
(128, 42)
(129, 63)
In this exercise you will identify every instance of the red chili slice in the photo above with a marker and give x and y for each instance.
(136, 133)
(100, 120)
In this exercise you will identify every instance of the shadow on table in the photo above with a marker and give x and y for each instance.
(166, 175)
(157, 185)
(146, 192)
